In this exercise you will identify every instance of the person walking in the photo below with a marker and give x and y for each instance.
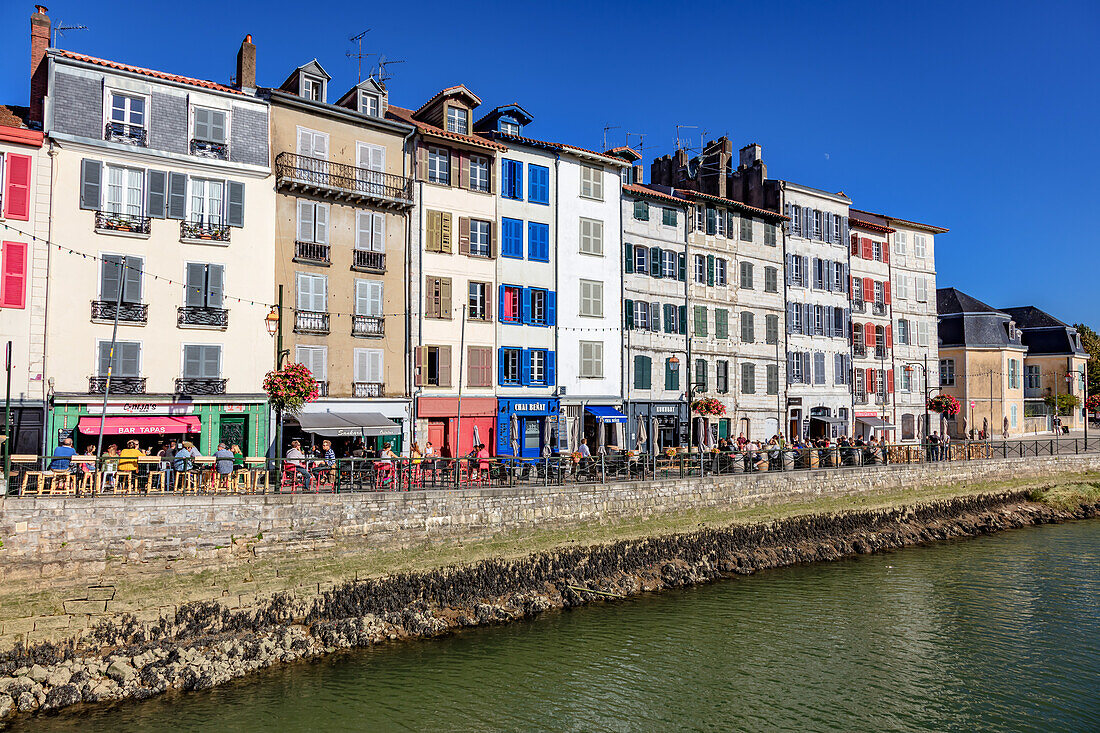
(945, 447)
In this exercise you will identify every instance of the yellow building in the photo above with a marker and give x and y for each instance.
(1054, 367)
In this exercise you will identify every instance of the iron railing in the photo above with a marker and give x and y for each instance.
(119, 132)
(859, 306)
(312, 252)
(199, 386)
(368, 326)
(322, 387)
(119, 385)
(104, 310)
(310, 322)
(367, 389)
(880, 352)
(210, 149)
(324, 177)
(193, 315)
(108, 221)
(369, 261)
(859, 350)
(860, 398)
(203, 231)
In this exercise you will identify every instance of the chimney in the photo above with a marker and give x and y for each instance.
(750, 154)
(246, 65)
(40, 41)
(638, 169)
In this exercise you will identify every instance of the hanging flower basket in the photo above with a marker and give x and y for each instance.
(1092, 404)
(708, 406)
(944, 404)
(291, 387)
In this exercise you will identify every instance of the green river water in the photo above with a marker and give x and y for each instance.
(999, 633)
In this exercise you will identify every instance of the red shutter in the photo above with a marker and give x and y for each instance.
(851, 284)
(868, 290)
(871, 381)
(868, 248)
(886, 292)
(17, 192)
(889, 336)
(13, 275)
(886, 251)
(869, 335)
(890, 380)
(855, 245)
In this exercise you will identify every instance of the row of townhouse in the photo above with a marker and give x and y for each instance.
(445, 277)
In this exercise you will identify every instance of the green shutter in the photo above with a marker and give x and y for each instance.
(628, 313)
(628, 257)
(683, 319)
(710, 269)
(721, 323)
(700, 320)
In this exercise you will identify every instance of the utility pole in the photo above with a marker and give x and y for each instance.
(7, 424)
(461, 360)
(122, 267)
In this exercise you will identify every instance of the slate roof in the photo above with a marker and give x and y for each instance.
(951, 300)
(967, 321)
(1043, 334)
(147, 72)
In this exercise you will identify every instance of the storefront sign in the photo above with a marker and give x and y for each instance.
(794, 401)
(666, 409)
(63, 433)
(149, 408)
(871, 413)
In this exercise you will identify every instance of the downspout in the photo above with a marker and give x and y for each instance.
(687, 318)
(557, 292)
(419, 280)
(46, 426)
(893, 348)
(785, 229)
(408, 290)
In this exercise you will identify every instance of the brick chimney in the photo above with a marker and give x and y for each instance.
(40, 41)
(246, 65)
(750, 154)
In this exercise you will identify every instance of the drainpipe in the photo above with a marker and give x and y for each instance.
(47, 428)
(420, 280)
(785, 231)
(687, 318)
(408, 290)
(557, 291)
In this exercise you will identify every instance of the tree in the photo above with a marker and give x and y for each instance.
(1091, 341)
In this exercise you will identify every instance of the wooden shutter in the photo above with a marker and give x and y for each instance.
(445, 298)
(17, 192)
(886, 292)
(890, 380)
(421, 165)
(131, 277)
(91, 181)
(156, 194)
(434, 232)
(886, 251)
(464, 170)
(654, 317)
(195, 287)
(464, 235)
(493, 239)
(445, 364)
(418, 365)
(445, 232)
(13, 275)
(234, 210)
(869, 335)
(177, 195)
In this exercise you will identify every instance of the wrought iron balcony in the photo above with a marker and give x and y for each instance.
(118, 132)
(197, 386)
(322, 388)
(310, 322)
(369, 261)
(367, 389)
(106, 221)
(312, 252)
(368, 326)
(859, 306)
(203, 231)
(104, 310)
(860, 398)
(119, 385)
(210, 149)
(859, 350)
(340, 181)
(879, 309)
(191, 315)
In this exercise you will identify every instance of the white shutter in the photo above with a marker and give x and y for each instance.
(378, 238)
(371, 157)
(320, 293)
(361, 365)
(305, 221)
(305, 142)
(305, 292)
(374, 288)
(321, 223)
(362, 298)
(374, 365)
(363, 230)
(320, 145)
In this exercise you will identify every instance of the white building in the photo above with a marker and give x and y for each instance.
(872, 333)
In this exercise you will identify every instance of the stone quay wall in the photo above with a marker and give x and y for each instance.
(66, 537)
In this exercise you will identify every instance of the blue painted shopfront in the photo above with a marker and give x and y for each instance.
(535, 420)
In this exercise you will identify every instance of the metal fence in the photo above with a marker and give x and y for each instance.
(31, 476)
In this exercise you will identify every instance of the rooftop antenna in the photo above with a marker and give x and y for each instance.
(605, 129)
(359, 55)
(383, 62)
(59, 30)
(683, 127)
(641, 142)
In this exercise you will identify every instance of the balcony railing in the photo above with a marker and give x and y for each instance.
(119, 385)
(210, 149)
(859, 350)
(340, 180)
(879, 309)
(859, 306)
(367, 389)
(312, 252)
(369, 261)
(104, 310)
(118, 132)
(368, 326)
(191, 315)
(310, 322)
(111, 222)
(322, 388)
(203, 231)
(199, 386)
(860, 398)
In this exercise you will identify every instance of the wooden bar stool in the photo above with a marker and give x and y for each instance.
(27, 489)
(155, 482)
(242, 481)
(126, 482)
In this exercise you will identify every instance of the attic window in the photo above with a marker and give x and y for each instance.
(458, 120)
(509, 126)
(369, 104)
(313, 88)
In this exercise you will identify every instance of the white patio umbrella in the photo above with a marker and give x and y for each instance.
(477, 436)
(642, 437)
(514, 427)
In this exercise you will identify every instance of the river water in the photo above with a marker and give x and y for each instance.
(999, 633)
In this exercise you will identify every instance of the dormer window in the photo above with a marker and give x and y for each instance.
(509, 127)
(313, 88)
(458, 120)
(369, 104)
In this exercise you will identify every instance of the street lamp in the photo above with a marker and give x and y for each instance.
(274, 323)
(927, 390)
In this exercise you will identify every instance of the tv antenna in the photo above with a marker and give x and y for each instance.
(359, 55)
(683, 127)
(383, 62)
(641, 142)
(59, 30)
(605, 130)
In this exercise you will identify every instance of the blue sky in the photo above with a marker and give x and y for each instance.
(980, 117)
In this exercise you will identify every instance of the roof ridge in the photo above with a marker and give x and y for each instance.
(164, 75)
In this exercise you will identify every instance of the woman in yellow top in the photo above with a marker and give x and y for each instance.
(128, 459)
(416, 454)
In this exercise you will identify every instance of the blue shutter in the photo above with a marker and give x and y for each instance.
(525, 305)
(525, 368)
(551, 375)
(519, 181)
(628, 257)
(500, 366)
(500, 304)
(551, 308)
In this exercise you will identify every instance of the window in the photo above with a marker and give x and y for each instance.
(674, 319)
(511, 300)
(367, 365)
(312, 293)
(369, 298)
(641, 211)
(312, 144)
(508, 127)
(313, 222)
(794, 317)
(481, 238)
(478, 305)
(748, 327)
(124, 191)
(641, 315)
(202, 361)
(819, 368)
(901, 287)
(437, 297)
(900, 243)
(880, 294)
(209, 125)
(126, 362)
(820, 280)
(539, 367)
(479, 370)
(903, 331)
(700, 219)
(771, 280)
(538, 242)
(370, 230)
(439, 166)
(434, 366)
(722, 376)
(795, 373)
(668, 264)
(369, 104)
(127, 109)
(479, 173)
(773, 379)
(771, 329)
(591, 359)
(769, 235)
(591, 237)
(837, 237)
(796, 220)
(922, 334)
(920, 245)
(947, 372)
(701, 375)
(701, 269)
(700, 320)
(592, 298)
(817, 225)
(876, 250)
(906, 380)
(592, 182)
(746, 275)
(313, 88)
(1032, 378)
(540, 307)
(458, 120)
(669, 217)
(720, 272)
(721, 221)
(1013, 374)
(640, 257)
(439, 231)
(746, 228)
(509, 369)
(840, 370)
(819, 320)
(797, 270)
(511, 179)
(206, 201)
(538, 184)
(204, 285)
(117, 269)
(643, 372)
(748, 378)
(721, 323)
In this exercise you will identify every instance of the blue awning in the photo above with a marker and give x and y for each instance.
(605, 413)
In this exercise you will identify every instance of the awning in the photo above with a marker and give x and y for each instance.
(875, 422)
(830, 420)
(605, 413)
(348, 424)
(141, 425)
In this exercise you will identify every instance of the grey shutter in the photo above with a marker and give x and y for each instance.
(790, 268)
(211, 361)
(194, 297)
(844, 229)
(91, 176)
(654, 316)
(806, 377)
(156, 196)
(805, 271)
(807, 222)
(131, 293)
(808, 319)
(110, 276)
(104, 357)
(177, 195)
(192, 361)
(790, 366)
(127, 357)
(215, 278)
(234, 213)
(790, 321)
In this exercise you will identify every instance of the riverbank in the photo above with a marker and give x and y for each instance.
(207, 643)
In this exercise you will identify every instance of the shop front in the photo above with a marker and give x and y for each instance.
(870, 424)
(374, 423)
(657, 426)
(25, 428)
(528, 427)
(154, 422)
(452, 435)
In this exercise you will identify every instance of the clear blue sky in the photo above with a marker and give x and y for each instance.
(981, 117)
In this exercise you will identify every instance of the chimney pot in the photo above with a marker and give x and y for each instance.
(750, 154)
(41, 9)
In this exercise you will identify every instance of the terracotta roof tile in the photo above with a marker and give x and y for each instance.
(406, 115)
(148, 72)
(441, 92)
(869, 225)
(558, 146)
(643, 190)
(730, 202)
